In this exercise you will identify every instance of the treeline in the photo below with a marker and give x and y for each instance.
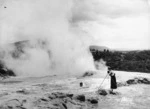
(138, 61)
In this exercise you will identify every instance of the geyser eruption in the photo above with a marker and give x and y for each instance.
(54, 45)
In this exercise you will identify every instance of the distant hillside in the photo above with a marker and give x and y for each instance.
(98, 48)
(138, 61)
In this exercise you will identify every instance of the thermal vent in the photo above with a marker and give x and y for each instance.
(46, 41)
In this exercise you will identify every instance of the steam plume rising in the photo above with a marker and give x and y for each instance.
(54, 45)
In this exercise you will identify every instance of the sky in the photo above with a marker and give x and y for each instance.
(117, 24)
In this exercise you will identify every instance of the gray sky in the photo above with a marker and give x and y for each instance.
(117, 24)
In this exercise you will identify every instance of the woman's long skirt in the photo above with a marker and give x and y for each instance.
(113, 82)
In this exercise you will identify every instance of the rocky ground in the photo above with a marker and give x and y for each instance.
(53, 92)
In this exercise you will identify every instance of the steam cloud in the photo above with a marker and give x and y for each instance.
(54, 43)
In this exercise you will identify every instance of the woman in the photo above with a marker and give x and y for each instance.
(113, 83)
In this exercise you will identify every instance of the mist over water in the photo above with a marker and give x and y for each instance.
(53, 43)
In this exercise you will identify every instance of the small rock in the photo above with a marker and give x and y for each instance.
(131, 81)
(70, 95)
(102, 92)
(93, 101)
(43, 99)
(51, 97)
(139, 80)
(81, 98)
(59, 95)
(88, 73)
(23, 91)
(114, 93)
(145, 81)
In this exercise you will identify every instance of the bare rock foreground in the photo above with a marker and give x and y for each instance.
(53, 92)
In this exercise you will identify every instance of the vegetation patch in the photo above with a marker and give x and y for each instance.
(136, 61)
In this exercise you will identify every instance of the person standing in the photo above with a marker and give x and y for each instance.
(113, 83)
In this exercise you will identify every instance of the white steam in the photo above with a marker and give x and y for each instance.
(54, 44)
